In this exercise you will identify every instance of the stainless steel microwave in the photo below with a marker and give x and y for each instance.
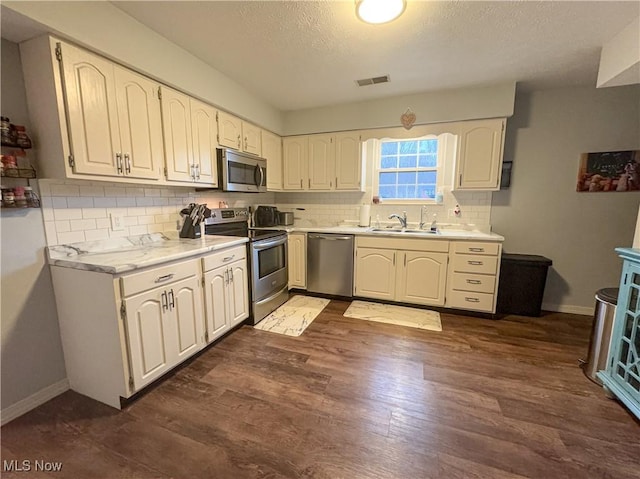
(242, 171)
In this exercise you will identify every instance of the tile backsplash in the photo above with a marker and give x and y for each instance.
(76, 211)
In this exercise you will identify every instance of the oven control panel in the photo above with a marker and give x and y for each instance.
(227, 215)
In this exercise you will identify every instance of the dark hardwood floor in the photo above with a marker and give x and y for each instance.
(354, 399)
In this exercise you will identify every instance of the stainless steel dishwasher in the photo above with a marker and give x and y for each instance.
(330, 264)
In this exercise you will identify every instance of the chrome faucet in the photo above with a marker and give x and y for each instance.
(402, 219)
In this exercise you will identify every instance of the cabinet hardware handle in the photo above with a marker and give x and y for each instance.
(231, 275)
(330, 184)
(394, 259)
(119, 163)
(165, 301)
(226, 276)
(238, 141)
(476, 263)
(172, 302)
(228, 258)
(127, 161)
(471, 300)
(405, 260)
(245, 142)
(477, 250)
(474, 281)
(336, 182)
(197, 171)
(309, 183)
(166, 277)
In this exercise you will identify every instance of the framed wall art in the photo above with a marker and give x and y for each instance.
(613, 171)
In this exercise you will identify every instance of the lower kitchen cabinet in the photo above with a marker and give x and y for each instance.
(297, 257)
(226, 288)
(164, 326)
(411, 271)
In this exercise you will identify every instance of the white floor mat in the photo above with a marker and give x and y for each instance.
(400, 315)
(293, 317)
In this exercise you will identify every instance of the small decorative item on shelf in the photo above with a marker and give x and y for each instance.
(5, 130)
(9, 162)
(21, 201)
(8, 198)
(22, 139)
(32, 199)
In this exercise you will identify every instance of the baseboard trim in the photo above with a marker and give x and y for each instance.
(568, 308)
(27, 404)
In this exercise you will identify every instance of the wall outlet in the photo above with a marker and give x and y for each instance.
(117, 222)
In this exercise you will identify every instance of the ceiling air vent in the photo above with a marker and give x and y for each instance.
(373, 81)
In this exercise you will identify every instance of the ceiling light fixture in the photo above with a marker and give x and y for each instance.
(379, 11)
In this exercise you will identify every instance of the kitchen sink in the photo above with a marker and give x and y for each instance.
(403, 231)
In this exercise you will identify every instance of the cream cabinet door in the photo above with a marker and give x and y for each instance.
(322, 157)
(422, 277)
(229, 131)
(272, 152)
(185, 318)
(297, 257)
(149, 356)
(176, 126)
(375, 273)
(251, 139)
(216, 303)
(90, 97)
(238, 290)
(480, 147)
(294, 162)
(204, 134)
(348, 161)
(140, 125)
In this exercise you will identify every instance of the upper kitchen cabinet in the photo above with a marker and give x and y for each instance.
(349, 168)
(323, 162)
(189, 128)
(294, 162)
(239, 135)
(272, 152)
(113, 117)
(480, 148)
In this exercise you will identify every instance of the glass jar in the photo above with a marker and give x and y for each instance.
(19, 198)
(32, 199)
(8, 198)
(22, 139)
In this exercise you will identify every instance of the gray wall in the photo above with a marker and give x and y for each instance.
(32, 356)
(541, 213)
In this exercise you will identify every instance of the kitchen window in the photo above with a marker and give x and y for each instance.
(408, 170)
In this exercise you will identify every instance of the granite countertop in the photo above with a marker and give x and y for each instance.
(120, 255)
(443, 234)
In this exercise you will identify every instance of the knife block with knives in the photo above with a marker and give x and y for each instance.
(193, 216)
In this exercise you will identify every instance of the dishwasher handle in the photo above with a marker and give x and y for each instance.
(330, 237)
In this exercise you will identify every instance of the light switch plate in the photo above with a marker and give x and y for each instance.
(117, 222)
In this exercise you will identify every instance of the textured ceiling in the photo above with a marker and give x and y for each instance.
(299, 54)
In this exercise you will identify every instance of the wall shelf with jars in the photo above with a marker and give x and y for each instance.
(15, 168)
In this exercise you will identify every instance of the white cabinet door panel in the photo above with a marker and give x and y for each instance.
(216, 302)
(375, 273)
(294, 163)
(321, 161)
(186, 307)
(229, 130)
(203, 130)
(422, 278)
(348, 162)
(176, 124)
(238, 292)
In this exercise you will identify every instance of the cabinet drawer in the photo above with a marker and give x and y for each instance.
(470, 300)
(468, 263)
(480, 283)
(226, 256)
(156, 277)
(476, 248)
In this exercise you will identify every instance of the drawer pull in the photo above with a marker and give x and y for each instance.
(228, 258)
(471, 300)
(166, 277)
(474, 281)
(475, 263)
(477, 250)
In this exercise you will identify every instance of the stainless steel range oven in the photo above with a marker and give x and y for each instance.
(267, 254)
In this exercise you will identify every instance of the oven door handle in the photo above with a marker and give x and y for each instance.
(260, 245)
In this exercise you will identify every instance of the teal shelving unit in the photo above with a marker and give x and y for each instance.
(622, 376)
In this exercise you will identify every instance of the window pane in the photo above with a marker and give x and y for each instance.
(428, 161)
(388, 162)
(408, 147)
(389, 148)
(387, 192)
(426, 191)
(388, 178)
(427, 177)
(408, 161)
(407, 178)
(428, 146)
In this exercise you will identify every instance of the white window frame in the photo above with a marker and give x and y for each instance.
(443, 152)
